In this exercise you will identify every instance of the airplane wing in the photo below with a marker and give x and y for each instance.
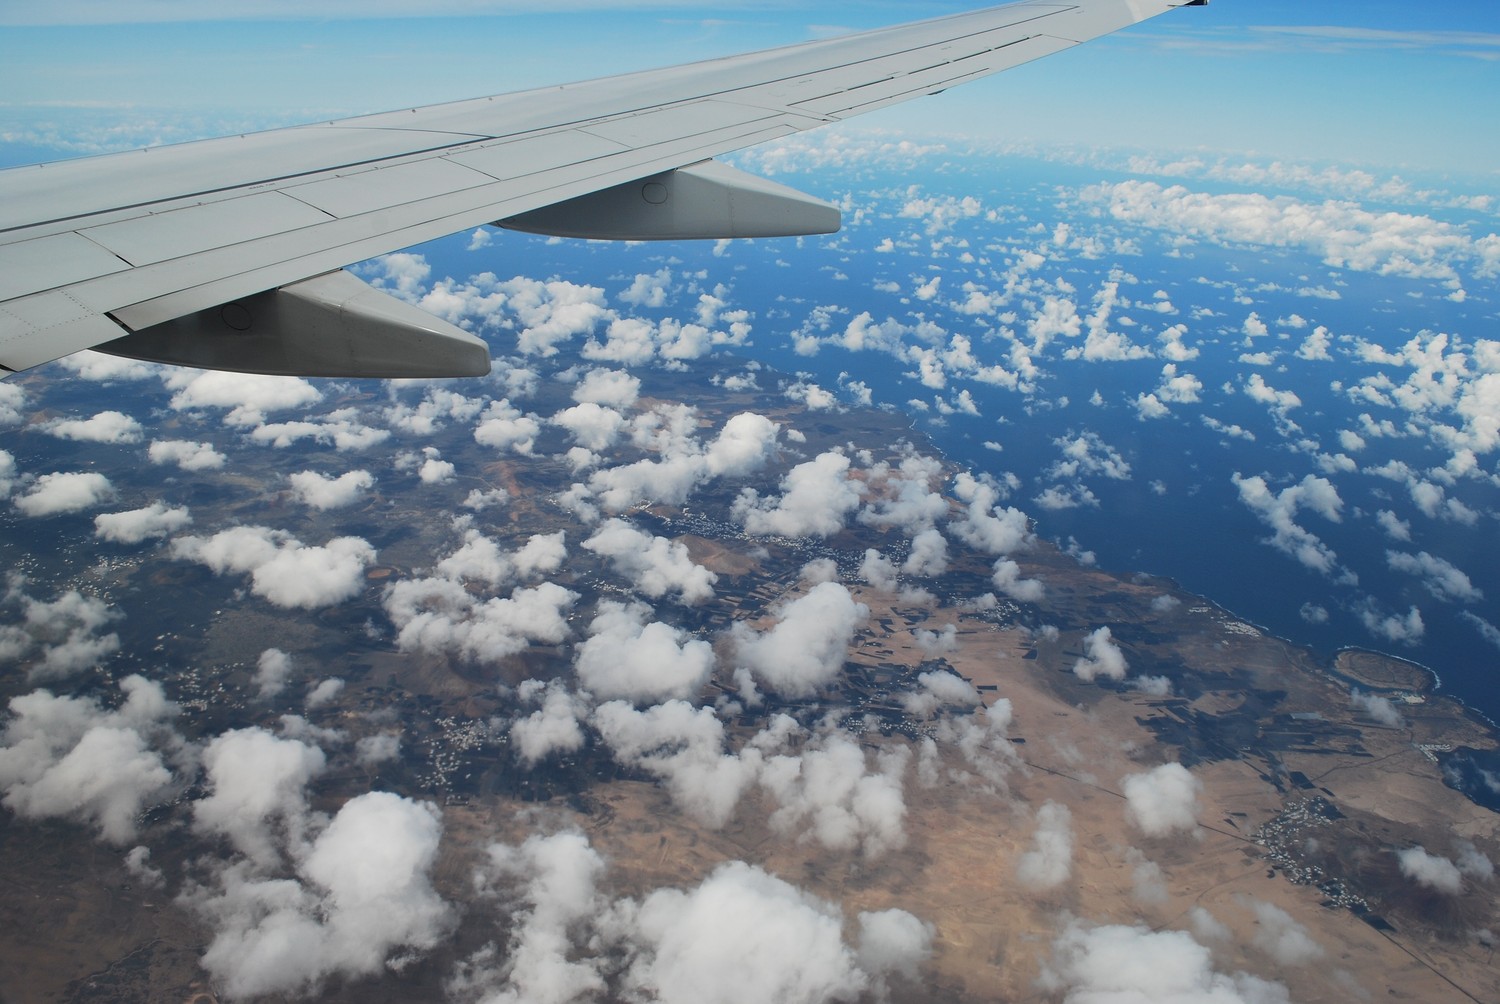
(229, 253)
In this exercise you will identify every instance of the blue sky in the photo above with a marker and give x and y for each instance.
(1414, 86)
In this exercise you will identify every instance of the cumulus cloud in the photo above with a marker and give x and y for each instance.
(1440, 577)
(246, 397)
(985, 525)
(344, 430)
(938, 688)
(1101, 657)
(504, 427)
(753, 936)
(1281, 937)
(282, 569)
(105, 427)
(438, 406)
(608, 388)
(1049, 862)
(57, 493)
(272, 671)
(59, 638)
(827, 793)
(1406, 629)
(928, 555)
(656, 566)
(805, 649)
(1163, 800)
(816, 497)
(1433, 871)
(185, 454)
(629, 655)
(319, 491)
(1008, 580)
(1380, 709)
(1343, 234)
(1279, 510)
(552, 728)
(592, 426)
(12, 400)
(257, 796)
(1115, 963)
(70, 757)
(7, 473)
(439, 615)
(362, 892)
(684, 747)
(139, 525)
(747, 935)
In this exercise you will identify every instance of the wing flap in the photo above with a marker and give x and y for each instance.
(61, 259)
(179, 233)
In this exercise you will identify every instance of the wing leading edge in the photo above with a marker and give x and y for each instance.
(227, 253)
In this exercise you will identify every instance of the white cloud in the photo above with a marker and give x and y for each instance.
(740, 936)
(12, 400)
(631, 656)
(1115, 964)
(554, 312)
(1280, 936)
(320, 491)
(57, 493)
(552, 728)
(816, 497)
(365, 891)
(138, 525)
(1342, 233)
(257, 797)
(504, 427)
(655, 565)
(435, 470)
(684, 746)
(827, 793)
(323, 692)
(1007, 578)
(609, 388)
(985, 525)
(806, 648)
(105, 427)
(272, 671)
(592, 426)
(430, 415)
(440, 615)
(282, 569)
(928, 555)
(1101, 657)
(904, 496)
(58, 638)
(1378, 708)
(747, 933)
(1431, 870)
(1049, 862)
(246, 396)
(743, 446)
(1163, 800)
(69, 757)
(1407, 629)
(1279, 510)
(187, 455)
(344, 430)
(1441, 578)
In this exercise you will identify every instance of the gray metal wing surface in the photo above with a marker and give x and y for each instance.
(227, 253)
